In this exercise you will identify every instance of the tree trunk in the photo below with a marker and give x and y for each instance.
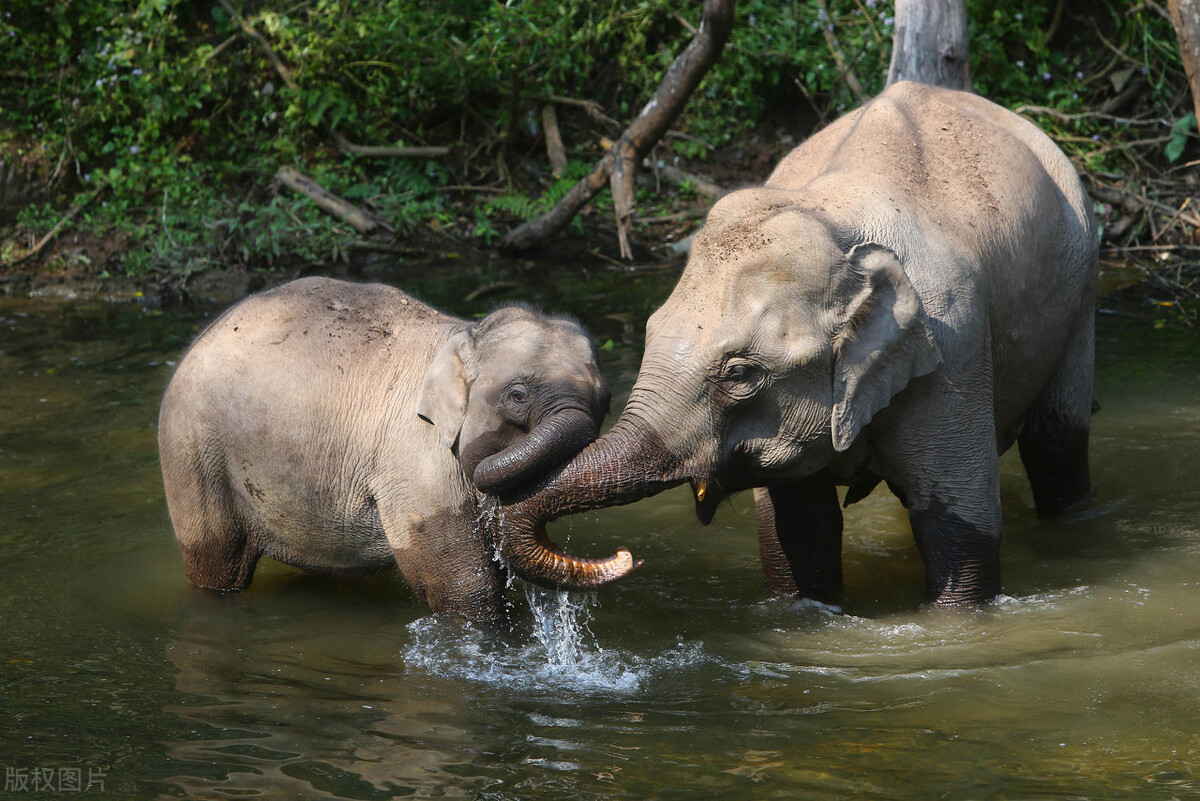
(620, 163)
(930, 44)
(1185, 16)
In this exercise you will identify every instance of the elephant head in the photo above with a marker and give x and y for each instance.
(779, 344)
(514, 396)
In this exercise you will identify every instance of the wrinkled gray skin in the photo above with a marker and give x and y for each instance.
(349, 428)
(909, 294)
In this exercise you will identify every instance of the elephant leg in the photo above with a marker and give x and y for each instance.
(219, 551)
(220, 561)
(961, 556)
(952, 487)
(453, 570)
(800, 538)
(1054, 438)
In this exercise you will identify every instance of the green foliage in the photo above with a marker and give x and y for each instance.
(526, 208)
(1179, 136)
(171, 111)
(778, 46)
(1118, 50)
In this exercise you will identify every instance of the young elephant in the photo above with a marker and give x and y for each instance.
(347, 428)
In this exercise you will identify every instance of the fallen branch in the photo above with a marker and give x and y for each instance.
(282, 69)
(1089, 115)
(490, 289)
(377, 151)
(700, 185)
(1134, 205)
(72, 213)
(368, 246)
(362, 221)
(1174, 218)
(679, 216)
(635, 143)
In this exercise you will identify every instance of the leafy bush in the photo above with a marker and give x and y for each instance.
(173, 110)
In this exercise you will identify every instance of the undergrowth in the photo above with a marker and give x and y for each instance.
(170, 121)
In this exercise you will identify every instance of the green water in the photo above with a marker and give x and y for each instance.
(683, 682)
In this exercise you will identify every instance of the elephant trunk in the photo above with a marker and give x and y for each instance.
(623, 466)
(550, 443)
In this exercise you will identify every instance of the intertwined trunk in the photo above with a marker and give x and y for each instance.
(551, 442)
(625, 465)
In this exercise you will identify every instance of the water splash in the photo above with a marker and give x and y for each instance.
(559, 654)
(489, 520)
(562, 626)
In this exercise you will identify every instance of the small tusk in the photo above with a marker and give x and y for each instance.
(701, 488)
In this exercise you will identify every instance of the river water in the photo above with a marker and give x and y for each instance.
(118, 680)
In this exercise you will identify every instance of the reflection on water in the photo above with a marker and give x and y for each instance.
(682, 682)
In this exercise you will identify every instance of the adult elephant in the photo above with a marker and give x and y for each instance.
(350, 428)
(909, 293)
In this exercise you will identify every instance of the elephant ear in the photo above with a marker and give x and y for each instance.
(884, 343)
(443, 397)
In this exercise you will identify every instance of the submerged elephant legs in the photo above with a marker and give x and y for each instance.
(1054, 438)
(800, 542)
(800, 538)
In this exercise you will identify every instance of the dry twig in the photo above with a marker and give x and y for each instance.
(619, 164)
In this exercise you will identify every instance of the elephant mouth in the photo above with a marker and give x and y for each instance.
(708, 494)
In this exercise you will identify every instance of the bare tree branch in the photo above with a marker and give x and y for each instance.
(839, 58)
(555, 150)
(655, 118)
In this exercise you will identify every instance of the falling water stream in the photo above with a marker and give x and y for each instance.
(683, 681)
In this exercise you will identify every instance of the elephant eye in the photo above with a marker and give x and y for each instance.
(518, 394)
(737, 373)
(742, 379)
